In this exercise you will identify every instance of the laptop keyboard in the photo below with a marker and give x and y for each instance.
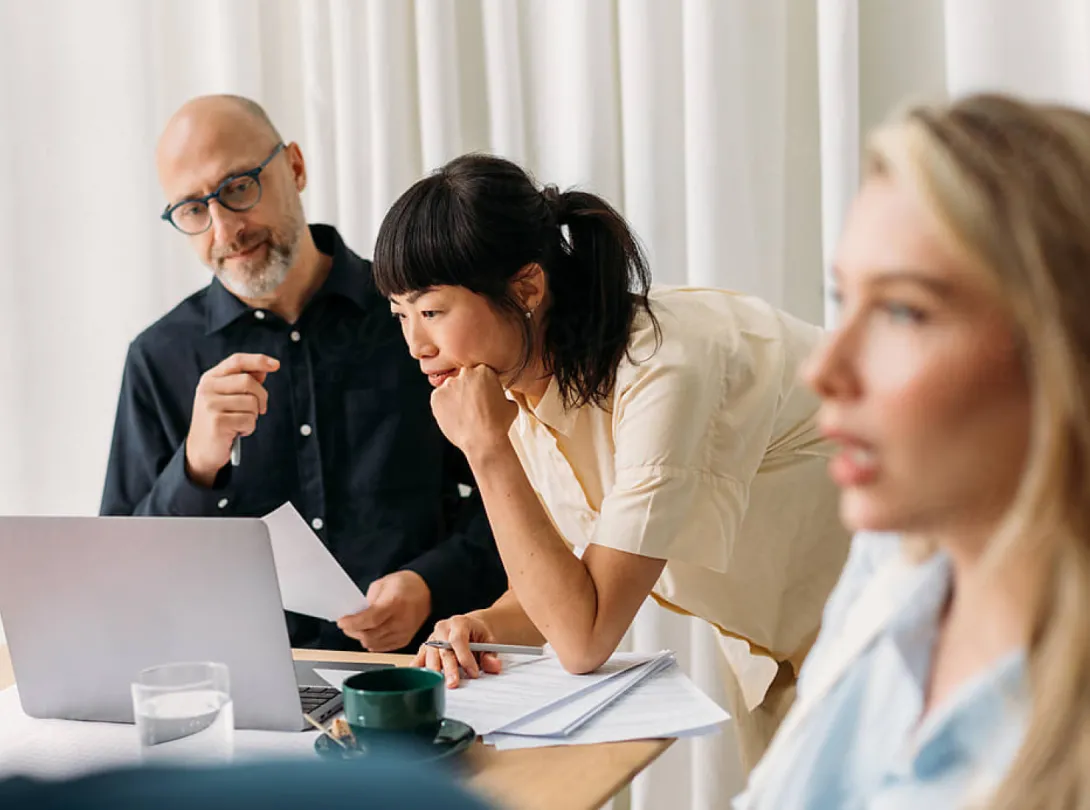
(314, 698)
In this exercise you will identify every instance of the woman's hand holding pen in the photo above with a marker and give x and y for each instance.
(473, 410)
(459, 631)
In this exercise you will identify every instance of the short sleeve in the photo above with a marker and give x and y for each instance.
(691, 427)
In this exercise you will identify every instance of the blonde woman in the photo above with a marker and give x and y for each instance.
(953, 666)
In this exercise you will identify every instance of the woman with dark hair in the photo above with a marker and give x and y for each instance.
(660, 431)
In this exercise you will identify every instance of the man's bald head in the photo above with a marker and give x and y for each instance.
(209, 141)
(207, 120)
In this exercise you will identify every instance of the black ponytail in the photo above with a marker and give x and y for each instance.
(599, 283)
(480, 219)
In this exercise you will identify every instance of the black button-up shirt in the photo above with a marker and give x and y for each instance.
(348, 438)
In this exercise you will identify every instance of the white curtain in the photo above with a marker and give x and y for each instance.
(728, 131)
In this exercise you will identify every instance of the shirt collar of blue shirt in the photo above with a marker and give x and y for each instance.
(969, 722)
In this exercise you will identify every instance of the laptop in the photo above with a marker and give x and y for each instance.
(88, 602)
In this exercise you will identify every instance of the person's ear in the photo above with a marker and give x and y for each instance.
(529, 286)
(298, 165)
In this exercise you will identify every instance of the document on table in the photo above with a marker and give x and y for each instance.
(632, 696)
(566, 717)
(491, 702)
(312, 582)
(666, 704)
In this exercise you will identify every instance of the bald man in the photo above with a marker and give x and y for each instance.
(290, 356)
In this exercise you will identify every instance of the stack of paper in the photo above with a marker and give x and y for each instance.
(492, 702)
(564, 717)
(537, 703)
(667, 704)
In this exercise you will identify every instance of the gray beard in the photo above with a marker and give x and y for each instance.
(263, 281)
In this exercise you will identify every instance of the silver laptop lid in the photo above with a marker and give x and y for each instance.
(86, 603)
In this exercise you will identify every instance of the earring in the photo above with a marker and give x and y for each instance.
(529, 314)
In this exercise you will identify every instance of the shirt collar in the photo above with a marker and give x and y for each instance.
(223, 307)
(349, 277)
(984, 722)
(987, 713)
(914, 630)
(550, 411)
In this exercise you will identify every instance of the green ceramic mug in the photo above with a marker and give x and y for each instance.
(402, 703)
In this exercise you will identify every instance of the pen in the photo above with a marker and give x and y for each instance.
(236, 451)
(513, 649)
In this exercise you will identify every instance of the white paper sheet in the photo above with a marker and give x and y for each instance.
(564, 718)
(55, 749)
(312, 582)
(335, 677)
(491, 702)
(666, 705)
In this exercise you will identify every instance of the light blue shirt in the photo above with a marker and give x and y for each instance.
(861, 744)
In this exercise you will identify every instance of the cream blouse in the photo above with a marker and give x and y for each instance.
(707, 456)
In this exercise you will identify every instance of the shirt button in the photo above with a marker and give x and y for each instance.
(317, 524)
(222, 504)
(259, 314)
(305, 430)
(295, 336)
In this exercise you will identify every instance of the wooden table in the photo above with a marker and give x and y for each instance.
(559, 778)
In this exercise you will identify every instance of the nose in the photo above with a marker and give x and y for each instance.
(421, 345)
(226, 224)
(829, 370)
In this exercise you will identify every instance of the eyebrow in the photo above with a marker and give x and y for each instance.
(235, 172)
(937, 286)
(414, 296)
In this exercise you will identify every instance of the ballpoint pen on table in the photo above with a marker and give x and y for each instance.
(324, 730)
(475, 646)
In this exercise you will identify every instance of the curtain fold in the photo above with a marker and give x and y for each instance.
(838, 87)
(1037, 49)
(728, 131)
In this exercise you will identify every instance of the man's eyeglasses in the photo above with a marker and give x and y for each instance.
(240, 192)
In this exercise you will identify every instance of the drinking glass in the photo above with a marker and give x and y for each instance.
(184, 713)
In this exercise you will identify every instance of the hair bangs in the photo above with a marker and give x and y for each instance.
(426, 241)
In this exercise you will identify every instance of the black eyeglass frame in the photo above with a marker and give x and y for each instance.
(254, 173)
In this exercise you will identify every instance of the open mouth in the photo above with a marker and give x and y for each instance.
(854, 466)
(439, 377)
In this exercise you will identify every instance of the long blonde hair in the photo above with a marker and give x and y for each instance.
(1011, 182)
